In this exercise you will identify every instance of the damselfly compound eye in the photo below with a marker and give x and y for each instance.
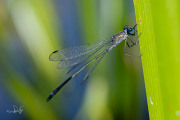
(130, 30)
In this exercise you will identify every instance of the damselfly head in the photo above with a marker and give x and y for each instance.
(128, 29)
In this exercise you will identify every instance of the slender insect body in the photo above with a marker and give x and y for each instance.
(76, 56)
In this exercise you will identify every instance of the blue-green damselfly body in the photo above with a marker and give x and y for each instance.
(75, 56)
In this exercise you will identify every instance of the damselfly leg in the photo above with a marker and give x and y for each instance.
(132, 41)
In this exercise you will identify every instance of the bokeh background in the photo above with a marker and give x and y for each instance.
(32, 29)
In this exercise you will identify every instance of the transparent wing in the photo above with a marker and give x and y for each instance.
(79, 59)
(70, 62)
(77, 51)
(93, 67)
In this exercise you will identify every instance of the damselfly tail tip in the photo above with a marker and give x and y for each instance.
(50, 97)
(47, 100)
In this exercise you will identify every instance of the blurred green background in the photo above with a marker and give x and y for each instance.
(32, 29)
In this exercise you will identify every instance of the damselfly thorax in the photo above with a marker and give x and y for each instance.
(118, 38)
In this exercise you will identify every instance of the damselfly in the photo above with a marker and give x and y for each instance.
(76, 56)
